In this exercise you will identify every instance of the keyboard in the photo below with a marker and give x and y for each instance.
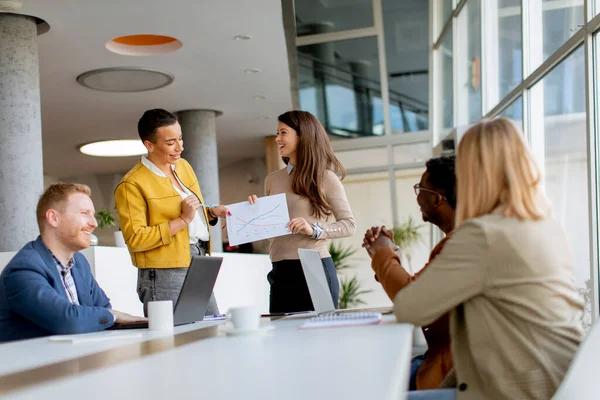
(341, 320)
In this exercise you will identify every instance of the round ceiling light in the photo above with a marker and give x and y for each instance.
(242, 37)
(252, 71)
(144, 45)
(125, 79)
(114, 148)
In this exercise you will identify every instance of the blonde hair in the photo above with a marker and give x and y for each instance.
(55, 196)
(495, 168)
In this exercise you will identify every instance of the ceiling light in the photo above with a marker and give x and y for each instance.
(265, 117)
(252, 71)
(259, 97)
(143, 45)
(242, 37)
(10, 5)
(114, 148)
(125, 79)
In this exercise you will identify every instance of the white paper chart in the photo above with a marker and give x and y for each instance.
(264, 219)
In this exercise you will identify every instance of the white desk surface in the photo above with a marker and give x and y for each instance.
(368, 362)
(33, 353)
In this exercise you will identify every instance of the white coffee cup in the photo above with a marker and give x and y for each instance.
(160, 315)
(244, 318)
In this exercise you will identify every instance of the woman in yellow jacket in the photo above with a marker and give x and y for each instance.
(158, 202)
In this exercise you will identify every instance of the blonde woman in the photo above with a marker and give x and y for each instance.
(505, 276)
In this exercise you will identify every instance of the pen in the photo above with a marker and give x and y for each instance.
(215, 316)
(208, 206)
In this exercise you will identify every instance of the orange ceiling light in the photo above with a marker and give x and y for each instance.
(144, 45)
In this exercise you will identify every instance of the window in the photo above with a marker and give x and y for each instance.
(504, 58)
(407, 59)
(324, 16)
(445, 89)
(514, 112)
(562, 96)
(339, 83)
(557, 20)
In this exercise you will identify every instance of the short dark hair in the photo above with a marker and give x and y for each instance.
(442, 177)
(152, 120)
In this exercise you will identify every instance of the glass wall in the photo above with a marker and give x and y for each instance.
(340, 76)
(407, 59)
(534, 72)
(565, 156)
(339, 83)
(446, 87)
(322, 16)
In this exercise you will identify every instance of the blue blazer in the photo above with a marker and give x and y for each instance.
(34, 303)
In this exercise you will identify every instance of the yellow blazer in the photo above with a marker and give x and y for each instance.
(146, 203)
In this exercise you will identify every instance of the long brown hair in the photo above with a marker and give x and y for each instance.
(314, 157)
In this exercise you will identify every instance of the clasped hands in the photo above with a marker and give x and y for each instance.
(378, 237)
(296, 225)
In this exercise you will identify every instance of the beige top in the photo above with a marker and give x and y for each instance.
(338, 225)
(515, 313)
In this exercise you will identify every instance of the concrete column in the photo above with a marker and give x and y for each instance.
(272, 156)
(21, 165)
(200, 150)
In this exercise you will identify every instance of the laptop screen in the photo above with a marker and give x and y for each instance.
(197, 289)
(316, 280)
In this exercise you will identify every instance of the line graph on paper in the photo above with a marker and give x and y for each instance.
(266, 218)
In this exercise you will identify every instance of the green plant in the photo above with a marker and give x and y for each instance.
(340, 255)
(406, 236)
(350, 291)
(105, 218)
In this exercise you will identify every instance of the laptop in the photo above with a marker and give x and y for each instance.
(194, 296)
(319, 288)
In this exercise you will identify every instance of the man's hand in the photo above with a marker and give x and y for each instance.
(189, 205)
(252, 199)
(124, 317)
(373, 234)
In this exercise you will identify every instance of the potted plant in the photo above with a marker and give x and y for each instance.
(406, 236)
(350, 292)
(106, 218)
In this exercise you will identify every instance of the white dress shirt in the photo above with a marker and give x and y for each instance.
(197, 227)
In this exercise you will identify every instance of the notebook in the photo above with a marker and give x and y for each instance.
(341, 320)
(194, 296)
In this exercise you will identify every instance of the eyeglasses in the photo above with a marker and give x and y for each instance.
(418, 188)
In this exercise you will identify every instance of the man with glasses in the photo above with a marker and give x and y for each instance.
(436, 196)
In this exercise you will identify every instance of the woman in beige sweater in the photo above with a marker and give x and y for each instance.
(317, 205)
(506, 276)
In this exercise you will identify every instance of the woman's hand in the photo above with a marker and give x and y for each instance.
(299, 225)
(252, 199)
(220, 211)
(189, 205)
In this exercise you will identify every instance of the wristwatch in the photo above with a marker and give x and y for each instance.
(210, 213)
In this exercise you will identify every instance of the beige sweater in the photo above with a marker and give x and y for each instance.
(340, 224)
(515, 313)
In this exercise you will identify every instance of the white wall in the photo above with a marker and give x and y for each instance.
(240, 180)
(370, 199)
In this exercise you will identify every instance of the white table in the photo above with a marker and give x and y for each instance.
(369, 362)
